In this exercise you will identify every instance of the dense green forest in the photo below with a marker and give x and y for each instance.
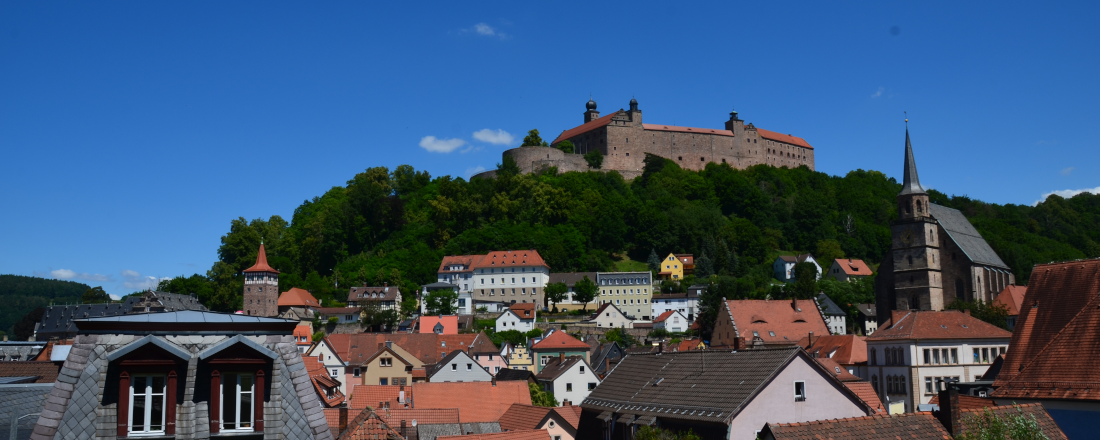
(21, 294)
(394, 226)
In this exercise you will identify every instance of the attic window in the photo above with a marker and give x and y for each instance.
(771, 333)
(837, 370)
(800, 320)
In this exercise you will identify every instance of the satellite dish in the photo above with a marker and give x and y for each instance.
(414, 422)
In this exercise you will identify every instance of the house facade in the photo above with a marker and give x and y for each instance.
(519, 317)
(868, 318)
(569, 379)
(629, 291)
(685, 303)
(609, 316)
(512, 277)
(390, 365)
(847, 269)
(334, 365)
(556, 345)
(920, 352)
(490, 361)
(458, 270)
(835, 317)
(521, 359)
(675, 266)
(672, 321)
(570, 280)
(384, 298)
(458, 366)
(783, 267)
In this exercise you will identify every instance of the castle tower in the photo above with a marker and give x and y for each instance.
(590, 113)
(634, 114)
(917, 272)
(261, 287)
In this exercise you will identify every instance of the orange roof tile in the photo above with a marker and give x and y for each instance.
(332, 416)
(520, 416)
(435, 416)
(687, 259)
(559, 340)
(322, 381)
(571, 414)
(663, 316)
(584, 128)
(449, 322)
(1012, 298)
(853, 267)
(662, 127)
(527, 434)
(303, 330)
(948, 324)
(867, 393)
(785, 138)
(466, 261)
(523, 310)
(369, 396)
(45, 371)
(296, 297)
(261, 262)
(428, 348)
(687, 345)
(369, 425)
(777, 321)
(838, 371)
(916, 426)
(491, 400)
(845, 349)
(519, 258)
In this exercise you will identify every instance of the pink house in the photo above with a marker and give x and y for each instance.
(490, 360)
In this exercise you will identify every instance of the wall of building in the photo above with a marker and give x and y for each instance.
(509, 321)
(461, 368)
(492, 363)
(612, 318)
(578, 379)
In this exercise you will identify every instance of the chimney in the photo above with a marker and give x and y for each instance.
(661, 347)
(401, 395)
(561, 358)
(949, 413)
(607, 364)
(389, 344)
(385, 287)
(566, 403)
(794, 304)
(381, 345)
(494, 381)
(343, 423)
(403, 434)
(811, 341)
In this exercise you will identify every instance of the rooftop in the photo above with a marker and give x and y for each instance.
(777, 321)
(526, 434)
(296, 297)
(261, 262)
(947, 324)
(915, 426)
(559, 340)
(1012, 298)
(844, 349)
(852, 267)
(185, 322)
(492, 399)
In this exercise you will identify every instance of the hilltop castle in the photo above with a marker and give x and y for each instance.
(624, 140)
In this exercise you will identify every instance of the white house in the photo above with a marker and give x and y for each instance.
(783, 267)
(686, 303)
(512, 277)
(912, 358)
(569, 378)
(343, 315)
(458, 270)
(609, 316)
(520, 317)
(334, 365)
(672, 320)
(463, 303)
(458, 366)
(835, 317)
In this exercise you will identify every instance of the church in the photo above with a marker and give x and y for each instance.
(936, 255)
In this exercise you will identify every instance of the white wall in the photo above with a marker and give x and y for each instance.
(510, 321)
(580, 375)
(676, 323)
(461, 368)
(916, 370)
(610, 317)
(502, 281)
(332, 362)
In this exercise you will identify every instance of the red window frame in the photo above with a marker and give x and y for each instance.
(136, 366)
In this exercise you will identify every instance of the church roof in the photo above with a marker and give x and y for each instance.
(261, 262)
(964, 235)
(910, 183)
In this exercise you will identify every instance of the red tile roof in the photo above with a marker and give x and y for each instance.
(466, 261)
(332, 416)
(838, 371)
(435, 416)
(559, 340)
(45, 371)
(785, 138)
(661, 127)
(527, 434)
(322, 381)
(571, 414)
(914, 426)
(261, 262)
(428, 348)
(845, 349)
(853, 267)
(867, 393)
(369, 396)
(476, 401)
(296, 297)
(520, 416)
(967, 402)
(765, 317)
(369, 425)
(1012, 298)
(685, 345)
(948, 324)
(1032, 410)
(520, 258)
(450, 324)
(662, 317)
(584, 128)
(687, 259)
(524, 310)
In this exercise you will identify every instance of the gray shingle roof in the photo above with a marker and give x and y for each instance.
(187, 317)
(866, 309)
(828, 307)
(21, 400)
(58, 320)
(431, 431)
(963, 233)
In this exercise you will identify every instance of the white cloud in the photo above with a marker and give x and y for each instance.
(62, 274)
(499, 137)
(1066, 171)
(486, 30)
(130, 274)
(66, 274)
(434, 145)
(134, 280)
(1067, 193)
(471, 171)
(878, 93)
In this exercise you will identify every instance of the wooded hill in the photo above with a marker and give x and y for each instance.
(21, 294)
(395, 226)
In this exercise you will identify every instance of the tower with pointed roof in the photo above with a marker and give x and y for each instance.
(916, 245)
(261, 287)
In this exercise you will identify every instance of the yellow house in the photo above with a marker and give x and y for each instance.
(520, 359)
(674, 266)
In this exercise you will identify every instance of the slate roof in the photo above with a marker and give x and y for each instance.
(554, 367)
(1012, 298)
(800, 258)
(1046, 423)
(296, 297)
(476, 401)
(828, 307)
(963, 234)
(845, 349)
(914, 426)
(527, 434)
(42, 371)
(671, 385)
(559, 340)
(20, 350)
(570, 278)
(867, 310)
(947, 324)
(373, 293)
(856, 268)
(765, 317)
(57, 321)
(261, 262)
(513, 374)
(433, 431)
(20, 400)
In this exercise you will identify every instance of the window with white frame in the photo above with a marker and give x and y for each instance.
(237, 401)
(335, 373)
(147, 404)
(799, 391)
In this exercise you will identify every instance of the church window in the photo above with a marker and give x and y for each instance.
(910, 260)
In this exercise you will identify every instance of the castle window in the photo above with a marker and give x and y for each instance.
(679, 157)
(702, 159)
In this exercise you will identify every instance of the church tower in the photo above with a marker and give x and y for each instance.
(261, 287)
(917, 274)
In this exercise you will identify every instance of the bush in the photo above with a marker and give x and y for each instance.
(659, 333)
(333, 320)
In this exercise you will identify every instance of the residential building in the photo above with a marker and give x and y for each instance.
(524, 434)
(57, 321)
(123, 365)
(1053, 355)
(560, 422)
(261, 287)
(847, 269)
(463, 303)
(835, 317)
(555, 345)
(509, 374)
(629, 291)
(783, 267)
(357, 349)
(689, 345)
(444, 431)
(675, 266)
(609, 316)
(685, 303)
(327, 387)
(753, 323)
(477, 402)
(917, 353)
(343, 315)
(297, 298)
(521, 359)
(717, 394)
(1012, 298)
(511, 276)
(848, 351)
(389, 365)
(458, 367)
(673, 321)
(862, 388)
(440, 325)
(383, 298)
(490, 361)
(381, 397)
(570, 280)
(334, 365)
(520, 317)
(303, 336)
(936, 255)
(868, 318)
(458, 270)
(604, 356)
(568, 378)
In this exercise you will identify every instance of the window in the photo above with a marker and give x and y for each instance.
(335, 373)
(568, 387)
(355, 372)
(237, 391)
(954, 355)
(383, 381)
(874, 382)
(385, 362)
(469, 367)
(928, 385)
(927, 356)
(454, 367)
(799, 391)
(147, 408)
(582, 369)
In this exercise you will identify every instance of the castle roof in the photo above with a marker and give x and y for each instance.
(584, 128)
(785, 138)
(661, 127)
(261, 262)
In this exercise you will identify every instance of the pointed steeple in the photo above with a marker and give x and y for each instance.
(911, 183)
(261, 262)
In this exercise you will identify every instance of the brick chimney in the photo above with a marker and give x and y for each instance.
(343, 423)
(566, 403)
(561, 358)
(949, 414)
(811, 344)
(403, 434)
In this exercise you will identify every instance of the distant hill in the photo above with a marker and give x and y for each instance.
(21, 294)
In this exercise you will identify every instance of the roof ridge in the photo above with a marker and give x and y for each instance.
(1071, 323)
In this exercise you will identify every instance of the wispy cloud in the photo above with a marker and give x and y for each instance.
(1066, 171)
(434, 145)
(1067, 193)
(134, 281)
(498, 137)
(474, 170)
(878, 93)
(484, 29)
(66, 274)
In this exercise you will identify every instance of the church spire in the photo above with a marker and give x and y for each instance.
(911, 183)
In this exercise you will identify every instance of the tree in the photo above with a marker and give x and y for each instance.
(584, 291)
(533, 139)
(566, 146)
(514, 337)
(993, 313)
(621, 337)
(318, 336)
(805, 280)
(828, 250)
(654, 261)
(652, 433)
(441, 302)
(540, 397)
(989, 426)
(594, 159)
(24, 328)
(508, 167)
(555, 292)
(704, 267)
(710, 304)
(95, 295)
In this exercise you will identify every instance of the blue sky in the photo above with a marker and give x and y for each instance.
(133, 132)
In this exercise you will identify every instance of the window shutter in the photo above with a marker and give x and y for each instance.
(123, 404)
(258, 407)
(215, 402)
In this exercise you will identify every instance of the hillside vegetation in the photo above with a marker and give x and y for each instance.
(394, 226)
(21, 294)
